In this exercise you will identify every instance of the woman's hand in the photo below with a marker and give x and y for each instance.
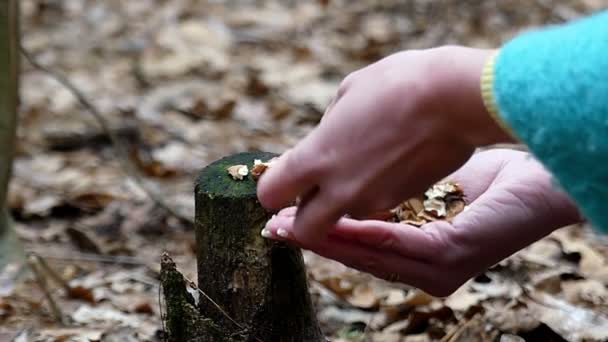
(512, 203)
(394, 128)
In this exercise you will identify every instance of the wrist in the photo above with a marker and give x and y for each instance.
(462, 70)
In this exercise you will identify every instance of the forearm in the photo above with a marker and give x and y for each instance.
(550, 88)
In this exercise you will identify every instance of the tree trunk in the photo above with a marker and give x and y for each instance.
(260, 284)
(9, 73)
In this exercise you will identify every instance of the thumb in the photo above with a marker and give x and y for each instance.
(294, 173)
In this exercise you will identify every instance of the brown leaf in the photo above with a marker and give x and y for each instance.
(143, 308)
(380, 215)
(574, 323)
(364, 297)
(592, 264)
(585, 292)
(473, 330)
(512, 318)
(82, 240)
(420, 318)
(464, 298)
(81, 293)
(6, 309)
(92, 200)
(337, 285)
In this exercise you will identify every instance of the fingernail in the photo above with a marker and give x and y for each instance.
(266, 233)
(282, 232)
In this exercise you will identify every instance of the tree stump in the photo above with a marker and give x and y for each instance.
(259, 284)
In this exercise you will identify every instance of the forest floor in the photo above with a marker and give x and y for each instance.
(184, 82)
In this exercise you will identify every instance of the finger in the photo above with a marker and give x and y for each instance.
(341, 91)
(288, 212)
(478, 173)
(508, 214)
(380, 262)
(316, 214)
(329, 108)
(405, 240)
(293, 174)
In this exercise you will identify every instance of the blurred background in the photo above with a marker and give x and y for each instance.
(184, 82)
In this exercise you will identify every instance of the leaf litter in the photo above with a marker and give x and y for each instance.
(184, 83)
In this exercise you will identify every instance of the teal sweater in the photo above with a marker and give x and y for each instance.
(551, 88)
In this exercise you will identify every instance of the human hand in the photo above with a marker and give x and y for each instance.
(394, 128)
(512, 203)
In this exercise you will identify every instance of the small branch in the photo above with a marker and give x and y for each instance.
(123, 155)
(33, 262)
(46, 268)
(109, 259)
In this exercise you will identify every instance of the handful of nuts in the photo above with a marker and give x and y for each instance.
(443, 201)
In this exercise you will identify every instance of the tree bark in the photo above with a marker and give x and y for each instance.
(260, 284)
(9, 74)
(183, 321)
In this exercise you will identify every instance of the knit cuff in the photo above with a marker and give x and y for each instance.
(488, 95)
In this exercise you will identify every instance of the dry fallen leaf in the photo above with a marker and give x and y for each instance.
(474, 329)
(364, 297)
(586, 292)
(82, 293)
(86, 314)
(511, 338)
(464, 298)
(143, 308)
(574, 323)
(238, 172)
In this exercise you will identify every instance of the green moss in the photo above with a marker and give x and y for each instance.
(214, 180)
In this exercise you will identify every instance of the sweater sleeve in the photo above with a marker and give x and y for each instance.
(550, 88)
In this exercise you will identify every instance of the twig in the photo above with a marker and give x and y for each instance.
(33, 263)
(45, 267)
(217, 306)
(123, 155)
(126, 260)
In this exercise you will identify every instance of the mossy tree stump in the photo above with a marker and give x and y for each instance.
(260, 284)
